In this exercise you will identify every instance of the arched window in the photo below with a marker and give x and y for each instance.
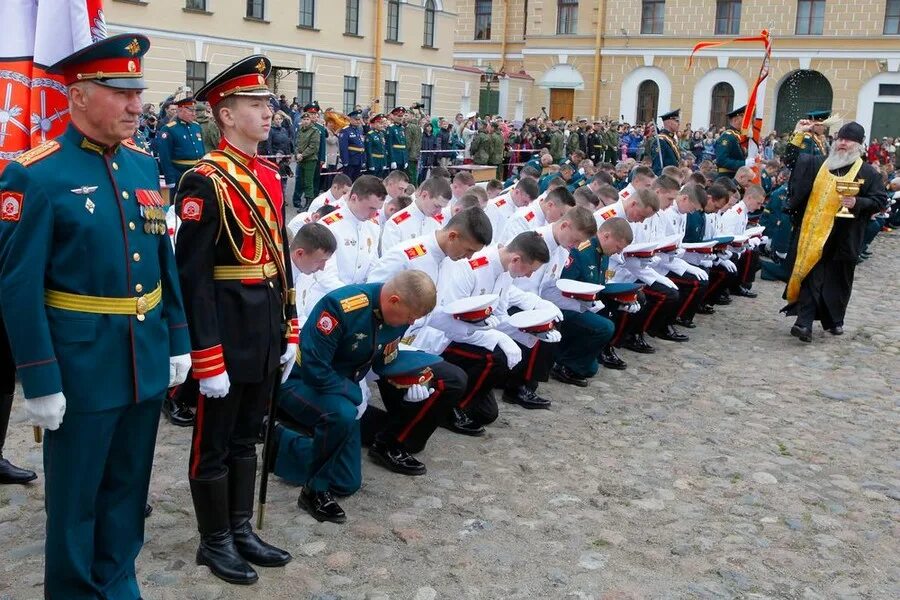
(648, 101)
(801, 92)
(722, 104)
(393, 20)
(429, 24)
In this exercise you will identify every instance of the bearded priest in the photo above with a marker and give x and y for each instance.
(825, 244)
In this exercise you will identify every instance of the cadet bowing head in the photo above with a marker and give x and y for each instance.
(469, 200)
(395, 183)
(530, 173)
(493, 188)
(406, 297)
(575, 227)
(433, 195)
(641, 205)
(691, 198)
(586, 198)
(311, 248)
(717, 197)
(525, 254)
(462, 181)
(467, 232)
(395, 204)
(525, 192)
(366, 197)
(557, 202)
(607, 194)
(744, 176)
(642, 177)
(754, 197)
(666, 189)
(614, 235)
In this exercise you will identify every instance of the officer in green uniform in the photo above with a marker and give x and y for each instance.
(315, 112)
(209, 131)
(480, 148)
(92, 304)
(730, 152)
(813, 142)
(413, 145)
(307, 146)
(376, 152)
(396, 140)
(180, 143)
(778, 230)
(557, 144)
(664, 150)
(612, 142)
(496, 146)
(586, 335)
(572, 142)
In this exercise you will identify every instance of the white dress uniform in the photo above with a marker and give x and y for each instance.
(326, 198)
(543, 281)
(482, 274)
(527, 218)
(627, 192)
(299, 220)
(420, 254)
(673, 222)
(405, 225)
(357, 245)
(630, 270)
(305, 285)
(734, 221)
(499, 210)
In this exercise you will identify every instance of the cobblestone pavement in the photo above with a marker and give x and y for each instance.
(739, 465)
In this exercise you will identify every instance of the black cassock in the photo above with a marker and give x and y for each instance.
(825, 291)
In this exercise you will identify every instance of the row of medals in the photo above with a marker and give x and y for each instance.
(154, 219)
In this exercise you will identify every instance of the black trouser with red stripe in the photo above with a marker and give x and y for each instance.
(410, 424)
(626, 323)
(227, 428)
(692, 292)
(747, 266)
(485, 369)
(660, 307)
(719, 281)
(533, 368)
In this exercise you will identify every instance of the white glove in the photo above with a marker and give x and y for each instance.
(706, 263)
(178, 369)
(417, 393)
(216, 386)
(750, 162)
(697, 272)
(725, 254)
(551, 337)
(393, 165)
(366, 394)
(753, 242)
(678, 253)
(46, 411)
(765, 240)
(510, 349)
(287, 361)
(596, 307)
(630, 308)
(728, 265)
(491, 322)
(668, 282)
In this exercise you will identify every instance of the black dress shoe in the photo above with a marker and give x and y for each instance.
(218, 552)
(321, 506)
(526, 398)
(706, 309)
(803, 333)
(836, 330)
(637, 343)
(671, 334)
(9, 473)
(177, 413)
(255, 550)
(722, 300)
(611, 360)
(459, 422)
(566, 375)
(744, 292)
(148, 510)
(686, 323)
(395, 458)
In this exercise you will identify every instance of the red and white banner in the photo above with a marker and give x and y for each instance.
(36, 34)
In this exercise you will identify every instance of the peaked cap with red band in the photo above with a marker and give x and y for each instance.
(246, 77)
(114, 62)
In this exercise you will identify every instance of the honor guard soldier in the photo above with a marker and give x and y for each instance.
(352, 146)
(396, 140)
(95, 345)
(731, 153)
(664, 150)
(376, 155)
(238, 298)
(180, 143)
(813, 142)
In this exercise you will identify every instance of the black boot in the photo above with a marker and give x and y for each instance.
(242, 484)
(459, 422)
(9, 473)
(176, 411)
(217, 550)
(611, 360)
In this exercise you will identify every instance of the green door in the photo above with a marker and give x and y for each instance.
(885, 118)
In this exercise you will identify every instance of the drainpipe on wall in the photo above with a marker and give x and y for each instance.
(376, 71)
(505, 35)
(598, 60)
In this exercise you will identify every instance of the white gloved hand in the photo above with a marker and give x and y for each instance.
(46, 411)
(706, 263)
(551, 337)
(287, 361)
(765, 240)
(630, 308)
(668, 282)
(393, 165)
(728, 265)
(491, 322)
(751, 161)
(697, 272)
(216, 386)
(178, 369)
(417, 393)
(596, 307)
(725, 254)
(510, 349)
(753, 242)
(366, 395)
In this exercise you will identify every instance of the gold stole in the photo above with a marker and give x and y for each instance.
(818, 221)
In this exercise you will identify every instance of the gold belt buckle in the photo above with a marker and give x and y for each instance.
(141, 306)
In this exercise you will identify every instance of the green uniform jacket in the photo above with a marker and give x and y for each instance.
(695, 227)
(496, 149)
(572, 143)
(395, 137)
(209, 132)
(73, 221)
(557, 146)
(730, 154)
(413, 140)
(375, 151)
(586, 263)
(664, 147)
(180, 145)
(480, 148)
(308, 143)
